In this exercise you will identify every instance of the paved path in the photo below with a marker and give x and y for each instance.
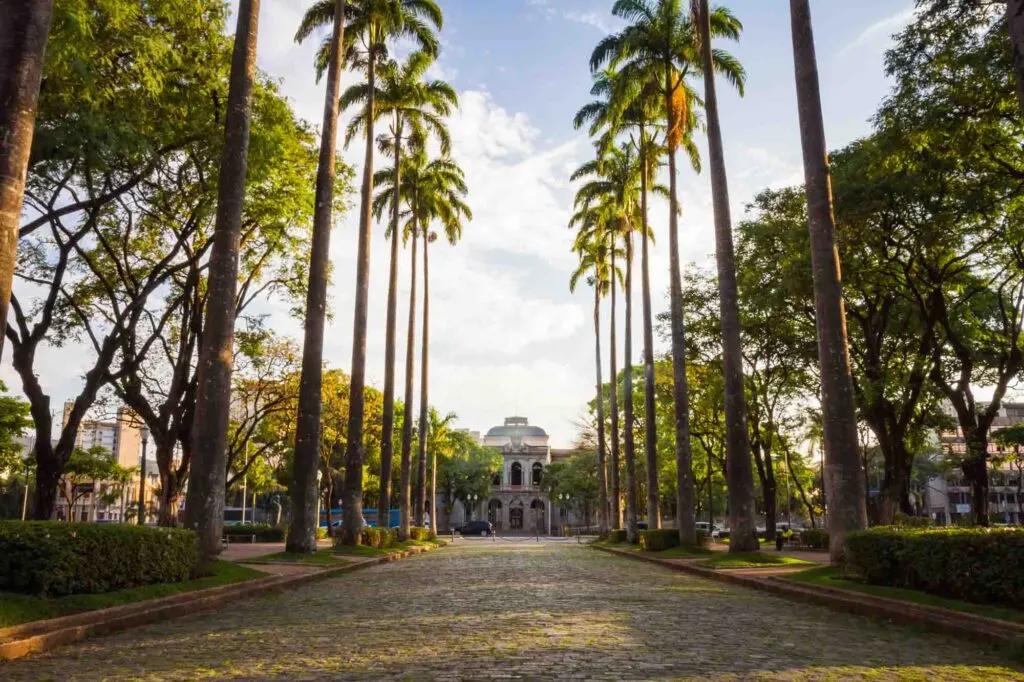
(517, 610)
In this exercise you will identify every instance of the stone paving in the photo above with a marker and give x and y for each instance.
(518, 610)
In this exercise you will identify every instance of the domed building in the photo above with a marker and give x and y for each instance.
(517, 504)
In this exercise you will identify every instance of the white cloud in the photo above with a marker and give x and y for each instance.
(881, 30)
(595, 19)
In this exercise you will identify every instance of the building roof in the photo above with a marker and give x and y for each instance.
(516, 427)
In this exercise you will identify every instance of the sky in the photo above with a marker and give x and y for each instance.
(506, 336)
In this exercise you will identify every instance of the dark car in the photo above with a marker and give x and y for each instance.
(476, 528)
(641, 525)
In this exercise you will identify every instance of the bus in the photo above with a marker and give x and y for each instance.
(369, 517)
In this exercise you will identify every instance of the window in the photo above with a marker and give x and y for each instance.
(496, 480)
(517, 474)
(515, 518)
(538, 471)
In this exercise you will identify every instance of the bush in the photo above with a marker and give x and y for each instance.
(53, 558)
(618, 535)
(378, 538)
(815, 538)
(421, 534)
(974, 564)
(263, 532)
(906, 521)
(658, 540)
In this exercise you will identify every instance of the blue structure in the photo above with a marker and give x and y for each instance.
(370, 516)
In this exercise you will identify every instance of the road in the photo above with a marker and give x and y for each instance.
(486, 610)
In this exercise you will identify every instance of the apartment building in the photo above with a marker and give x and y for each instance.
(948, 498)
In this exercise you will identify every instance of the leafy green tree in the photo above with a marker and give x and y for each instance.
(468, 470)
(83, 472)
(575, 478)
(14, 421)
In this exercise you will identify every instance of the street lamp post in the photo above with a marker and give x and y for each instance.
(563, 499)
(142, 478)
(472, 499)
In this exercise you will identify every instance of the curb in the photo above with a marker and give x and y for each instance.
(20, 640)
(938, 619)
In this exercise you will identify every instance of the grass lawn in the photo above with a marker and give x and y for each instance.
(831, 576)
(22, 608)
(323, 557)
(752, 560)
(370, 552)
(684, 552)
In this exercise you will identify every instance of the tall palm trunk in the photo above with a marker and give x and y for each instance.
(616, 506)
(650, 424)
(421, 489)
(205, 501)
(602, 473)
(685, 521)
(304, 492)
(740, 474)
(23, 32)
(1015, 20)
(387, 443)
(352, 488)
(405, 500)
(844, 485)
(632, 533)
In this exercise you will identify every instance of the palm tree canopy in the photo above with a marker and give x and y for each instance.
(432, 189)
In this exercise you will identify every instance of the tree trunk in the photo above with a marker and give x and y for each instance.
(650, 420)
(304, 494)
(741, 479)
(387, 443)
(844, 485)
(602, 474)
(352, 490)
(632, 533)
(205, 501)
(616, 501)
(421, 489)
(435, 518)
(170, 486)
(1015, 19)
(684, 472)
(975, 468)
(405, 501)
(23, 33)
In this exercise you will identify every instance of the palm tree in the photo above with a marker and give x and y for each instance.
(305, 491)
(415, 107)
(658, 46)
(626, 105)
(437, 190)
(205, 499)
(612, 181)
(371, 23)
(23, 35)
(844, 485)
(741, 476)
(594, 251)
(438, 439)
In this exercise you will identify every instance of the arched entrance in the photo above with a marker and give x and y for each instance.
(516, 516)
(537, 510)
(494, 513)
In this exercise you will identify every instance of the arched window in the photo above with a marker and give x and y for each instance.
(538, 471)
(517, 473)
(496, 479)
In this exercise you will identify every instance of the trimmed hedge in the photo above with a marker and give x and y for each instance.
(50, 558)
(263, 532)
(378, 538)
(421, 534)
(974, 564)
(617, 535)
(815, 538)
(658, 540)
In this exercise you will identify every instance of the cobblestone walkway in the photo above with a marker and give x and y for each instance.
(484, 610)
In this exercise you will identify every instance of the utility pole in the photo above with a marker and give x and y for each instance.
(24, 496)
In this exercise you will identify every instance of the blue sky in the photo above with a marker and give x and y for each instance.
(507, 335)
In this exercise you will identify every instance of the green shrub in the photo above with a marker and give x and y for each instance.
(658, 540)
(907, 521)
(378, 538)
(815, 538)
(321, 533)
(56, 558)
(974, 564)
(618, 535)
(421, 534)
(263, 532)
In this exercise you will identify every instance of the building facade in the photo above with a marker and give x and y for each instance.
(106, 500)
(948, 497)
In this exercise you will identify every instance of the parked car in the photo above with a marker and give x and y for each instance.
(483, 528)
(711, 529)
(641, 525)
